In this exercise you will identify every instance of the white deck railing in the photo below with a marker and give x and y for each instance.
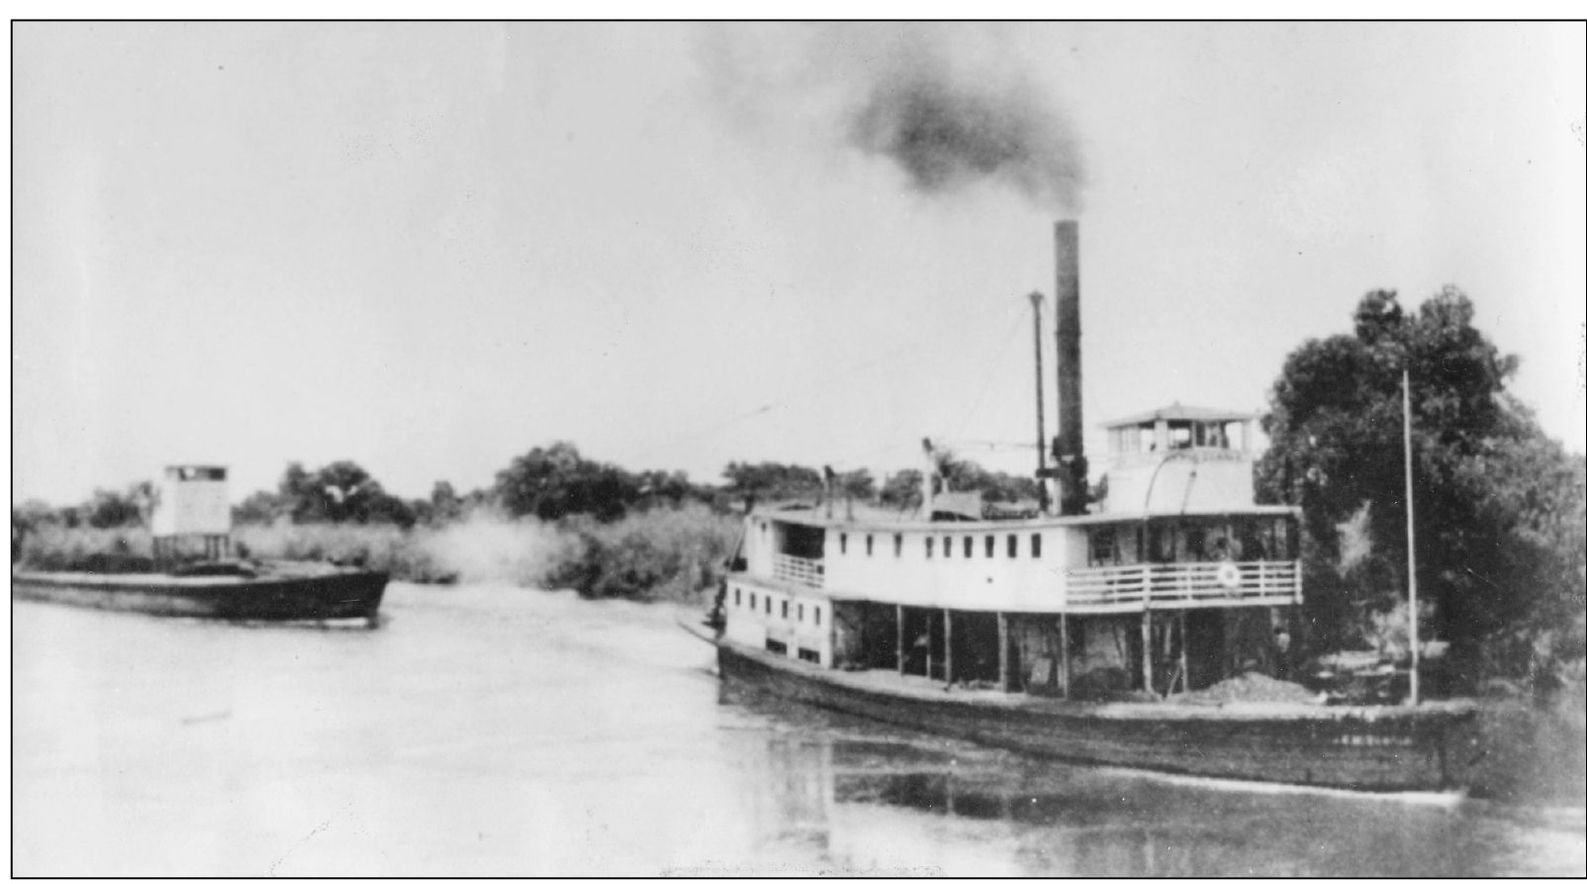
(809, 572)
(1182, 585)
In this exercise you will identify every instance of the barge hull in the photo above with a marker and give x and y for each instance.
(298, 597)
(1356, 748)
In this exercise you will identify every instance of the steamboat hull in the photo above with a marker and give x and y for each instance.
(1379, 749)
(337, 595)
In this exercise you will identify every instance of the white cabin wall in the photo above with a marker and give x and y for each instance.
(756, 614)
(979, 583)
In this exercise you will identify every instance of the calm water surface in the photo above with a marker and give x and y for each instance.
(497, 731)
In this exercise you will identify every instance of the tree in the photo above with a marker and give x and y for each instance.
(260, 508)
(901, 490)
(445, 505)
(769, 480)
(857, 484)
(341, 491)
(109, 509)
(1336, 426)
(550, 483)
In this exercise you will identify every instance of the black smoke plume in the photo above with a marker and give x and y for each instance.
(949, 105)
(945, 135)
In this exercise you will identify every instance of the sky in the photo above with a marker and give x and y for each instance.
(429, 248)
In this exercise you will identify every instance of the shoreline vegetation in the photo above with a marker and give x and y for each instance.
(668, 554)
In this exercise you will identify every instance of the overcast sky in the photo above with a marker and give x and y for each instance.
(431, 247)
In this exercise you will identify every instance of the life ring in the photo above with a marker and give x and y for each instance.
(1228, 576)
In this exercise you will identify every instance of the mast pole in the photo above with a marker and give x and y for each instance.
(1410, 543)
(1041, 421)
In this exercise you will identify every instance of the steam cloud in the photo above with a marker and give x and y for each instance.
(949, 106)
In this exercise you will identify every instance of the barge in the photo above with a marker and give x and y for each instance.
(192, 573)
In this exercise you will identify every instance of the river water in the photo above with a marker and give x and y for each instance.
(487, 730)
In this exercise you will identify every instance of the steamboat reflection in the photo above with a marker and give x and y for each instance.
(870, 798)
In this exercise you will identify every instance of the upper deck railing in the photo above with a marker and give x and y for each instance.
(808, 572)
(1129, 588)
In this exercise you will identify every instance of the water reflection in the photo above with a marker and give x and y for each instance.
(873, 798)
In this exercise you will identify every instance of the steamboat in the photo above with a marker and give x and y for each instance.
(1093, 632)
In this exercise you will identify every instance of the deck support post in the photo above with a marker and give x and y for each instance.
(1063, 653)
(1184, 653)
(900, 649)
(947, 646)
(1002, 652)
(1146, 649)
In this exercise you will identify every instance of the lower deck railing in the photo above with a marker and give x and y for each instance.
(1182, 585)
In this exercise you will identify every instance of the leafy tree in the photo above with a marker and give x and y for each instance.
(260, 508)
(554, 482)
(662, 487)
(1335, 427)
(769, 480)
(901, 490)
(341, 491)
(857, 484)
(444, 505)
(109, 509)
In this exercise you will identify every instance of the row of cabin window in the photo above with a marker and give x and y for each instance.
(738, 602)
(947, 545)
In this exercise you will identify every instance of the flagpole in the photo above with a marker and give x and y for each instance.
(1410, 543)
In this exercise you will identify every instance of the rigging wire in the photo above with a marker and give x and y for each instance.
(815, 385)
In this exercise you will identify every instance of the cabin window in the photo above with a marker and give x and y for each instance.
(752, 601)
(947, 547)
(868, 544)
(801, 612)
(818, 616)
(809, 656)
(991, 546)
(768, 605)
(1013, 546)
(1103, 546)
(843, 544)
(898, 544)
(776, 646)
(785, 609)
(1196, 543)
(738, 597)
(1035, 546)
(931, 543)
(1160, 541)
(969, 547)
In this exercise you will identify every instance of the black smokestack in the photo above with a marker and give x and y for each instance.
(1069, 446)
